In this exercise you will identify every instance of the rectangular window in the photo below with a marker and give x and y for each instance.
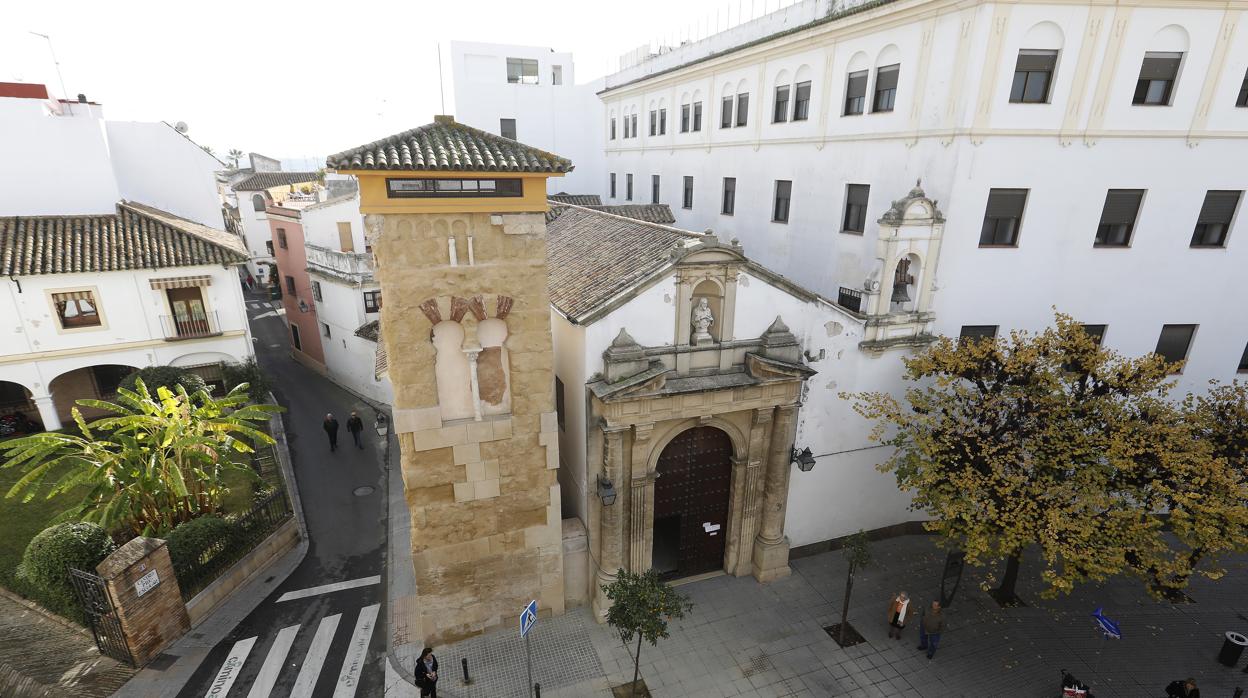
(780, 209)
(325, 330)
(346, 242)
(780, 110)
(612, 185)
(729, 205)
(281, 238)
(1242, 100)
(725, 112)
(1157, 76)
(294, 337)
(522, 71)
(1243, 361)
(1118, 217)
(452, 188)
(559, 404)
(556, 75)
(372, 301)
(885, 88)
(855, 93)
(612, 128)
(684, 118)
(316, 291)
(1002, 217)
(663, 122)
(697, 116)
(743, 108)
(687, 200)
(801, 101)
(654, 189)
(855, 220)
(507, 128)
(654, 122)
(268, 245)
(632, 126)
(1174, 343)
(975, 333)
(1215, 217)
(1033, 73)
(628, 187)
(76, 309)
(1096, 332)
(290, 284)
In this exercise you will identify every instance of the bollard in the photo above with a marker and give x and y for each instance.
(464, 663)
(537, 690)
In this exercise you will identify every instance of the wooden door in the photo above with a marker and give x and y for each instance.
(691, 497)
(189, 317)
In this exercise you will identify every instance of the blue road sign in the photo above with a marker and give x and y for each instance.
(1107, 626)
(528, 618)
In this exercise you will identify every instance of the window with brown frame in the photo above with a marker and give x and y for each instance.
(76, 309)
(281, 238)
(372, 301)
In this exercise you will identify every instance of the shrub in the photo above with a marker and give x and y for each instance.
(168, 376)
(188, 541)
(248, 372)
(44, 571)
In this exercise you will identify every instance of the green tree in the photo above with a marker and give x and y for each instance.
(234, 156)
(158, 461)
(641, 605)
(858, 554)
(1050, 439)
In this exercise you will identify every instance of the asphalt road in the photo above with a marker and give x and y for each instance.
(325, 643)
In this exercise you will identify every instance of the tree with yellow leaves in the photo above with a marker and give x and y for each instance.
(1052, 440)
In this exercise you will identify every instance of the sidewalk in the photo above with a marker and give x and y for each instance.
(747, 639)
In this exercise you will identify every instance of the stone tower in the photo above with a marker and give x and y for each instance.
(456, 220)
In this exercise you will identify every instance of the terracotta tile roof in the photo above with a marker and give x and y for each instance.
(592, 256)
(369, 331)
(445, 145)
(578, 199)
(651, 213)
(268, 180)
(135, 237)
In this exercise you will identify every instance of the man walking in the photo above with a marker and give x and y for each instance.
(355, 425)
(930, 626)
(330, 425)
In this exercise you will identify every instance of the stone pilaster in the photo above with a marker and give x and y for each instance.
(611, 553)
(640, 502)
(747, 475)
(771, 549)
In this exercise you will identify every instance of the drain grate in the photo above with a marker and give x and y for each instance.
(757, 665)
(363, 491)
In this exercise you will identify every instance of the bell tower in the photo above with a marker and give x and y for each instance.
(456, 220)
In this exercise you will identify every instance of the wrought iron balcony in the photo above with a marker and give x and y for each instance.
(190, 327)
(355, 267)
(850, 299)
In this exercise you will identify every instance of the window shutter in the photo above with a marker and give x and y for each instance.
(857, 85)
(1006, 203)
(1121, 206)
(886, 77)
(1031, 59)
(1160, 65)
(1219, 207)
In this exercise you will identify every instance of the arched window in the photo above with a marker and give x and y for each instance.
(887, 69)
(257, 202)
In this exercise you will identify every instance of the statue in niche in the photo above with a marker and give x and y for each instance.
(702, 320)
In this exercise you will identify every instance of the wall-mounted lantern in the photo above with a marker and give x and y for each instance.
(805, 459)
(606, 491)
(303, 306)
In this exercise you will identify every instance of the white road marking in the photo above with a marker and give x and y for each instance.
(273, 663)
(229, 669)
(262, 316)
(357, 652)
(329, 588)
(315, 658)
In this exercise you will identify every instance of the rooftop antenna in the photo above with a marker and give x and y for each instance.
(59, 77)
(441, 89)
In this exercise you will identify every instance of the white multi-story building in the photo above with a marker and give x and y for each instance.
(113, 256)
(347, 296)
(529, 94)
(1085, 157)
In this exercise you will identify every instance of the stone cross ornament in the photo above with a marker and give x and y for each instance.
(702, 320)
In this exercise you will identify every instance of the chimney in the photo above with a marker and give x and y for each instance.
(82, 99)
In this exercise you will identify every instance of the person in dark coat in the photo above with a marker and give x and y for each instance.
(427, 673)
(1183, 689)
(355, 425)
(931, 625)
(330, 425)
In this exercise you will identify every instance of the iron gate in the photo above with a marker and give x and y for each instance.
(97, 606)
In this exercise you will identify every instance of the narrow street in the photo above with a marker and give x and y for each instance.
(316, 633)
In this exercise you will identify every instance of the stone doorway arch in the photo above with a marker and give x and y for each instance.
(692, 502)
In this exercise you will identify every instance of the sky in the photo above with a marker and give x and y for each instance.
(308, 79)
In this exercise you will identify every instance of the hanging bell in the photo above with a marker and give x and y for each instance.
(899, 293)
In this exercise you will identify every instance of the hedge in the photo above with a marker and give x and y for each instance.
(188, 542)
(44, 571)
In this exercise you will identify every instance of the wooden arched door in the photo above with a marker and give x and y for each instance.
(691, 498)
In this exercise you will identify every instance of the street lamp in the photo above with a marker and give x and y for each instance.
(303, 306)
(381, 425)
(805, 459)
(606, 491)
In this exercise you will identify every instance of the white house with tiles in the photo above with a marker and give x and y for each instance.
(347, 296)
(112, 256)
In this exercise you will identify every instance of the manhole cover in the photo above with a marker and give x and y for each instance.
(363, 491)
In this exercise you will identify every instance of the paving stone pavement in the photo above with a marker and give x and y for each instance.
(747, 639)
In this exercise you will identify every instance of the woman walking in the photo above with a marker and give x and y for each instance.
(897, 614)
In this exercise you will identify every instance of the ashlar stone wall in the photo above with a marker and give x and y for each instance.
(482, 489)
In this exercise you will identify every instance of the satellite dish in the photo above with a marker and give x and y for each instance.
(181, 127)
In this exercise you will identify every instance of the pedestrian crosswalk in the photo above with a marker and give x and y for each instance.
(311, 665)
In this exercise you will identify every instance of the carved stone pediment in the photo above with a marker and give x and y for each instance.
(764, 368)
(651, 380)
